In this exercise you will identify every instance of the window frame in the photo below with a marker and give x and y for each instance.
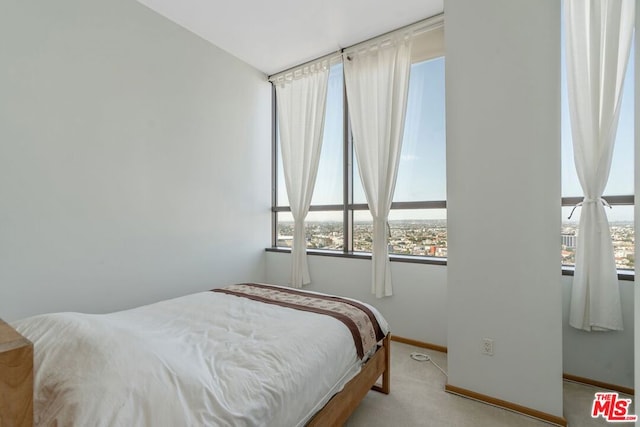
(612, 200)
(347, 207)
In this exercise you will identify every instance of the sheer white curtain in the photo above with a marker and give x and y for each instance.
(598, 38)
(377, 82)
(301, 97)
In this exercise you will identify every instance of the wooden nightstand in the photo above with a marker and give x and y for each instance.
(16, 378)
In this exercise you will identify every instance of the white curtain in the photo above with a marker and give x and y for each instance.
(301, 99)
(598, 38)
(377, 82)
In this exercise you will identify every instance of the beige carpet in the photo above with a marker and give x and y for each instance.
(418, 399)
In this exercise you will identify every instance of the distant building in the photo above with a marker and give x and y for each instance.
(569, 240)
(285, 241)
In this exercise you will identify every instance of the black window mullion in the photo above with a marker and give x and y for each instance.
(274, 168)
(348, 207)
(612, 200)
(347, 192)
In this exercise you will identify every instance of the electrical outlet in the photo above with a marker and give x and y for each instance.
(487, 346)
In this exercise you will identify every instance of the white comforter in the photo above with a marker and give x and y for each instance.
(206, 359)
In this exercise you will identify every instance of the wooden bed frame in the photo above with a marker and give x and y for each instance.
(16, 378)
(16, 364)
(341, 406)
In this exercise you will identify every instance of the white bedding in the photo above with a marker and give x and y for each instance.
(206, 359)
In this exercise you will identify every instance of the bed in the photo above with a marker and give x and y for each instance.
(230, 356)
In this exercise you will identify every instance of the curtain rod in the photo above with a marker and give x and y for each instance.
(419, 26)
(328, 57)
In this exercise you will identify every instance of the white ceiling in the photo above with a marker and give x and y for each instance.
(278, 34)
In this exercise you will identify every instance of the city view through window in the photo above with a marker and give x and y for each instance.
(429, 238)
(622, 235)
(421, 177)
(420, 237)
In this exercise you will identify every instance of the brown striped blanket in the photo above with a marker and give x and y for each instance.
(357, 317)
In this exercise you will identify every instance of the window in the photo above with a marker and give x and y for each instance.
(619, 190)
(339, 218)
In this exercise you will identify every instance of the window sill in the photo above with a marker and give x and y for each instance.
(628, 275)
(364, 255)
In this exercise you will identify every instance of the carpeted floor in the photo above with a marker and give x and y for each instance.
(418, 399)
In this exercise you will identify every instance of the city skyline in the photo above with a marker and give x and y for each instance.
(429, 238)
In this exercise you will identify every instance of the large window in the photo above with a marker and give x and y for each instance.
(339, 218)
(619, 190)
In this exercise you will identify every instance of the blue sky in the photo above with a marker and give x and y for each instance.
(421, 174)
(422, 169)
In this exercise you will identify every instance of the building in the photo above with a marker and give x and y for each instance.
(569, 240)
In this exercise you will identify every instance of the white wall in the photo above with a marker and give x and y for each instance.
(416, 310)
(600, 356)
(503, 199)
(134, 159)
